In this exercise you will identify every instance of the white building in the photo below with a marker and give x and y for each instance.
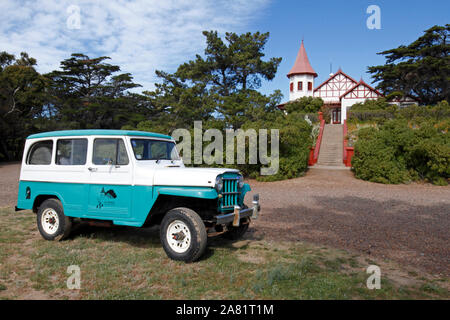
(339, 92)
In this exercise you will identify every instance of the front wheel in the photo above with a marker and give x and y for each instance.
(235, 233)
(183, 235)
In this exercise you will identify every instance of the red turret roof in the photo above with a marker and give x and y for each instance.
(302, 65)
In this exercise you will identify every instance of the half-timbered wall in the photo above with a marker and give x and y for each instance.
(360, 93)
(332, 89)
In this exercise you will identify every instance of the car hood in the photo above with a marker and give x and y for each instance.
(182, 176)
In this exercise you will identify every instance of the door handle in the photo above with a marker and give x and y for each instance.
(92, 169)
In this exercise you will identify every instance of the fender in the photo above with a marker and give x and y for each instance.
(29, 191)
(193, 192)
(246, 188)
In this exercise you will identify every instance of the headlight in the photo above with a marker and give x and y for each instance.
(219, 184)
(241, 182)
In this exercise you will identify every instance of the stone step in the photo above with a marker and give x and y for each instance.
(330, 154)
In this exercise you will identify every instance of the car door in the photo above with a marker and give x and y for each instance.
(110, 188)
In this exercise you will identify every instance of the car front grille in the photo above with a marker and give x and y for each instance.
(230, 193)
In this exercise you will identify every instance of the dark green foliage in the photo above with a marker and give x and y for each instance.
(222, 84)
(88, 93)
(295, 143)
(372, 110)
(304, 104)
(401, 151)
(22, 97)
(379, 111)
(421, 69)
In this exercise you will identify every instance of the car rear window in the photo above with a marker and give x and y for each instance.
(40, 153)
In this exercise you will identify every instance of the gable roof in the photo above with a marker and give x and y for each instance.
(333, 76)
(302, 65)
(361, 82)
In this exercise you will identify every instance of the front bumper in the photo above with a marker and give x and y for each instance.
(238, 213)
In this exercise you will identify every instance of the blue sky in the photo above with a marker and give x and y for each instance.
(143, 35)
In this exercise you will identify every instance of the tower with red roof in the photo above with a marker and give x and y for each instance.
(301, 77)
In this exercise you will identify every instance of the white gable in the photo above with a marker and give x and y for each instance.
(361, 91)
(334, 87)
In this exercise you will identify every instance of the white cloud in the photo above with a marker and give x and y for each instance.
(139, 35)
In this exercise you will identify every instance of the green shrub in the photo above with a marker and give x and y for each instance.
(295, 143)
(295, 140)
(372, 110)
(304, 104)
(400, 151)
(372, 105)
(375, 161)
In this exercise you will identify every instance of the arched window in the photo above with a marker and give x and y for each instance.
(300, 86)
(291, 86)
(309, 86)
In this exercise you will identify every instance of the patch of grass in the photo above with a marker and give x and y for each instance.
(432, 288)
(129, 263)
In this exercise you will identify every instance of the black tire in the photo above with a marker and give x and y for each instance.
(64, 223)
(235, 233)
(196, 227)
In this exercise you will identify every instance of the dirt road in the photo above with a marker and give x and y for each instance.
(407, 223)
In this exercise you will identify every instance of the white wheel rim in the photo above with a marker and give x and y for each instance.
(50, 221)
(178, 236)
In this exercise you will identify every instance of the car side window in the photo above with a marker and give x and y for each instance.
(71, 152)
(40, 153)
(109, 151)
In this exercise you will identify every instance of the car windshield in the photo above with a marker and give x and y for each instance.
(148, 149)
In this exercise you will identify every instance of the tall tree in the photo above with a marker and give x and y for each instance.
(222, 83)
(421, 69)
(22, 96)
(87, 93)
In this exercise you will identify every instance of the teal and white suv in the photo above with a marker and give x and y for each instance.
(131, 178)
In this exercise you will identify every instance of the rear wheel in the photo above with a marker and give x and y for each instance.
(183, 235)
(51, 221)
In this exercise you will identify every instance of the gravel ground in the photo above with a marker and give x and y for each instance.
(409, 224)
(9, 183)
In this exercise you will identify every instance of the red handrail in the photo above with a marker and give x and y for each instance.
(344, 152)
(319, 140)
(348, 151)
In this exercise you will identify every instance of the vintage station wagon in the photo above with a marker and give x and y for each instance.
(131, 178)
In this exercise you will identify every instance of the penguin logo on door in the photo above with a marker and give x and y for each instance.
(106, 197)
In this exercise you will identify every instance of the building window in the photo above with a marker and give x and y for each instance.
(309, 86)
(300, 86)
(291, 86)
